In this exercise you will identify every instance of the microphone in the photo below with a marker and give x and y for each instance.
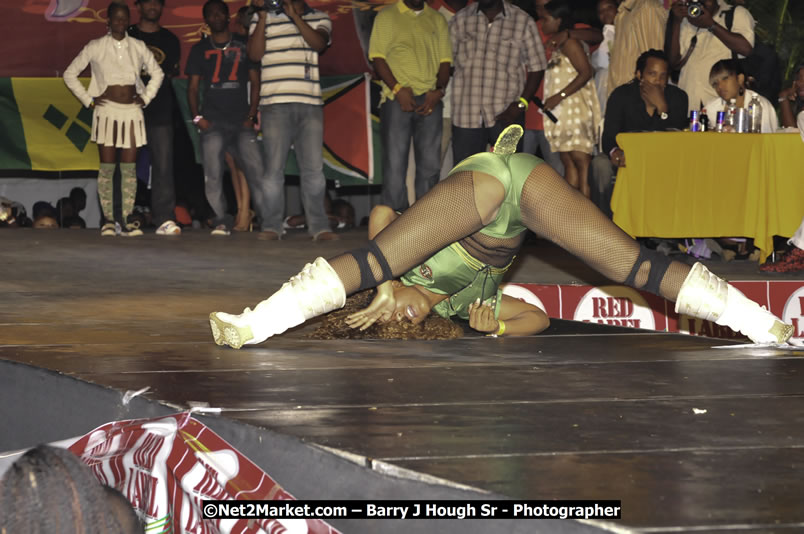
(540, 105)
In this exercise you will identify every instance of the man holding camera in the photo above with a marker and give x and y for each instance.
(700, 39)
(287, 36)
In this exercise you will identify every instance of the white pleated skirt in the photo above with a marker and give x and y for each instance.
(112, 118)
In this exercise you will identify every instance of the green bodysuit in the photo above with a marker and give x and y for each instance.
(452, 270)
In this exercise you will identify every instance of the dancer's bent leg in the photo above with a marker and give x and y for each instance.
(553, 209)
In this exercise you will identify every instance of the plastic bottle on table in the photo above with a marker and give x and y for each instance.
(731, 111)
(755, 112)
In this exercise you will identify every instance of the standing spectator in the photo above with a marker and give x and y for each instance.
(645, 104)
(448, 8)
(226, 121)
(499, 63)
(699, 42)
(534, 137)
(639, 26)
(117, 95)
(245, 215)
(572, 99)
(159, 114)
(728, 81)
(411, 53)
(606, 12)
(288, 42)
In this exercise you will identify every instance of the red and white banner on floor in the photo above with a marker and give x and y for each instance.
(167, 467)
(624, 306)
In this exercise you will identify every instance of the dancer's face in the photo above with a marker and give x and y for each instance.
(412, 304)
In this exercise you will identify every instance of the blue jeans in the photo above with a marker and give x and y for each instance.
(602, 176)
(397, 127)
(241, 143)
(300, 125)
(469, 141)
(163, 189)
(534, 139)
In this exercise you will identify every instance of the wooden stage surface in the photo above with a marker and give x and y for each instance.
(690, 438)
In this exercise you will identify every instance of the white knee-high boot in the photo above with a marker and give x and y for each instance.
(707, 296)
(314, 291)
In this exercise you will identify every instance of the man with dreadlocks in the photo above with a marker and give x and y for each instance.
(485, 205)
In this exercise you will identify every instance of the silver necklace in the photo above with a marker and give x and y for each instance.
(211, 40)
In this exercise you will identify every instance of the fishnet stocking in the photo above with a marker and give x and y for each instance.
(446, 214)
(556, 211)
(550, 208)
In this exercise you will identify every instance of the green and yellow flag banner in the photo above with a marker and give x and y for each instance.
(43, 127)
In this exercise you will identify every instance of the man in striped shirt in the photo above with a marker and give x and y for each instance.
(639, 26)
(411, 53)
(286, 41)
(499, 62)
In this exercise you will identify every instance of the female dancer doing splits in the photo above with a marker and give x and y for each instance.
(485, 206)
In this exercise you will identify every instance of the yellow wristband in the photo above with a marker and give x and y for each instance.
(501, 329)
(396, 88)
(525, 102)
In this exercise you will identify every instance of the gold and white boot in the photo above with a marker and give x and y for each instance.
(314, 291)
(705, 295)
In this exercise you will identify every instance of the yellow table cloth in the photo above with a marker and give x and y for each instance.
(692, 184)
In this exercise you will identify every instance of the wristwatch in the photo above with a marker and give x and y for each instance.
(664, 116)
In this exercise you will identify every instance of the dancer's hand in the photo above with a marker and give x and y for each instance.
(481, 317)
(381, 309)
(139, 101)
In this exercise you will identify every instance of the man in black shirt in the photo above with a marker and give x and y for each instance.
(219, 68)
(159, 113)
(645, 104)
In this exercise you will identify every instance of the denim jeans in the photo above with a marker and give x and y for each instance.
(469, 141)
(241, 143)
(397, 128)
(300, 125)
(602, 175)
(534, 139)
(163, 188)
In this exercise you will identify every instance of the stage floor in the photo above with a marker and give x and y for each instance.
(688, 437)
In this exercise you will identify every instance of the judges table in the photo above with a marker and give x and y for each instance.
(691, 184)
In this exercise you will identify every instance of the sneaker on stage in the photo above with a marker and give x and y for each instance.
(168, 228)
(221, 230)
(132, 229)
(108, 229)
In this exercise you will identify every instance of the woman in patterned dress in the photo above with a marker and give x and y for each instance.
(569, 82)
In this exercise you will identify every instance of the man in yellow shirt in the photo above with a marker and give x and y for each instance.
(411, 52)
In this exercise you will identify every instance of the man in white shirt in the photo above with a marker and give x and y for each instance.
(699, 42)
